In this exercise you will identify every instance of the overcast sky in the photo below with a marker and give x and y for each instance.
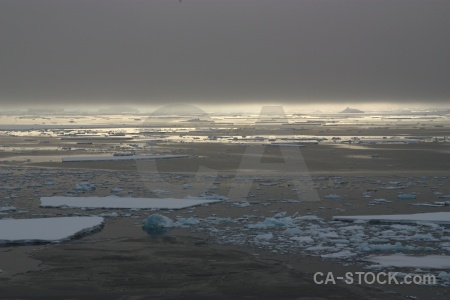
(223, 51)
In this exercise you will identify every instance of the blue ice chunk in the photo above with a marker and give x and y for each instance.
(279, 222)
(84, 186)
(157, 225)
(407, 196)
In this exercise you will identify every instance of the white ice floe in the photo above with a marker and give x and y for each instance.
(402, 260)
(160, 192)
(10, 188)
(117, 190)
(264, 236)
(242, 204)
(302, 239)
(437, 218)
(332, 197)
(84, 186)
(109, 158)
(7, 208)
(24, 231)
(123, 202)
(340, 254)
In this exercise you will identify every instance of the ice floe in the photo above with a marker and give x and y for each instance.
(84, 186)
(332, 197)
(407, 196)
(110, 158)
(43, 230)
(124, 202)
(7, 208)
(402, 260)
(436, 217)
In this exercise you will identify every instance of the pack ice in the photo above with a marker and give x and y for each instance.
(442, 218)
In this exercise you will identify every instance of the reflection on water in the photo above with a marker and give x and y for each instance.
(157, 232)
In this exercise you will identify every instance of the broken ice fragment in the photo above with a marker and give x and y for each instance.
(7, 208)
(341, 254)
(84, 186)
(188, 221)
(406, 196)
(332, 197)
(264, 236)
(242, 204)
(436, 218)
(157, 225)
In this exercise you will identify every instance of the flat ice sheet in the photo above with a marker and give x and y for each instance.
(123, 202)
(22, 231)
(437, 218)
(108, 158)
(402, 260)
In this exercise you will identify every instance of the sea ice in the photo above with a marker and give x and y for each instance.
(10, 188)
(302, 239)
(292, 231)
(84, 186)
(406, 196)
(123, 202)
(242, 204)
(188, 221)
(340, 254)
(402, 260)
(156, 225)
(160, 192)
(264, 236)
(332, 197)
(7, 208)
(108, 158)
(23, 231)
(437, 218)
(385, 247)
(117, 190)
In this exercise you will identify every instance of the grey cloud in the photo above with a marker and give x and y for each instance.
(163, 51)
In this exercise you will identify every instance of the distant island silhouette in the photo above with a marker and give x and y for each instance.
(351, 111)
